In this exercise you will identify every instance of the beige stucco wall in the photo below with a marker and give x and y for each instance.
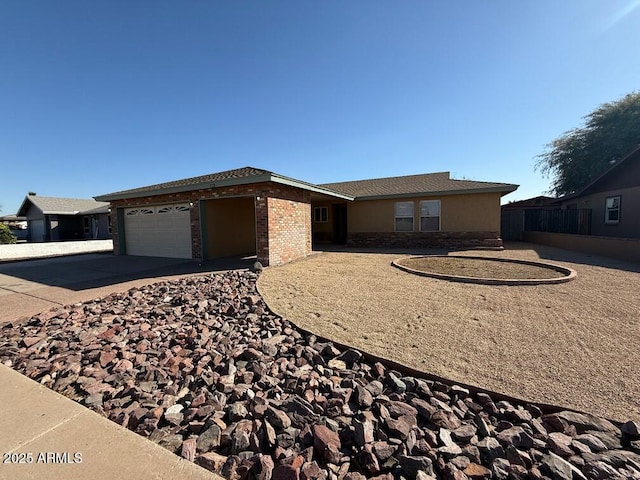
(323, 226)
(230, 225)
(458, 213)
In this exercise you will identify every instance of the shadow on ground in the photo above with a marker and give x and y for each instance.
(561, 255)
(552, 254)
(83, 272)
(396, 251)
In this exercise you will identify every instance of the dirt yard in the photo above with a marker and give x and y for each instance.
(575, 344)
(472, 267)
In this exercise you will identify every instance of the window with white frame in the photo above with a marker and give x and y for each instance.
(612, 210)
(320, 214)
(430, 215)
(404, 217)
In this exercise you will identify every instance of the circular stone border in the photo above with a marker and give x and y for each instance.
(569, 273)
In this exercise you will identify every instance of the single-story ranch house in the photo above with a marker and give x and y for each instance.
(52, 219)
(254, 211)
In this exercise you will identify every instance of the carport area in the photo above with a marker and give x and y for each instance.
(228, 227)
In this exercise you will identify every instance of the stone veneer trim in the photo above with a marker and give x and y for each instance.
(455, 240)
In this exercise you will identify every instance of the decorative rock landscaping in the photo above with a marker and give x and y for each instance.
(202, 367)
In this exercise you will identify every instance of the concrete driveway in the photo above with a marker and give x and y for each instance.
(34, 419)
(33, 286)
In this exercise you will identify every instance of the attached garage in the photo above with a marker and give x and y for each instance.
(158, 231)
(242, 212)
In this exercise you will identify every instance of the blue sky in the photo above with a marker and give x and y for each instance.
(102, 96)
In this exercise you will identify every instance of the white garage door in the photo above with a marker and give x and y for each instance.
(160, 231)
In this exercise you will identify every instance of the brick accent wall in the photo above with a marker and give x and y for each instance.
(283, 218)
(455, 240)
(289, 229)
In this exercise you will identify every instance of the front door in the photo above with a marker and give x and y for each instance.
(340, 223)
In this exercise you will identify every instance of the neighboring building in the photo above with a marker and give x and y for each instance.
(529, 203)
(17, 225)
(51, 219)
(14, 222)
(512, 222)
(254, 211)
(613, 198)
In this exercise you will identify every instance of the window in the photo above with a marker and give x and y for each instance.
(109, 223)
(86, 225)
(321, 214)
(404, 216)
(141, 211)
(430, 216)
(612, 210)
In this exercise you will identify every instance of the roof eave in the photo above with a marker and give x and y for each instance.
(76, 212)
(586, 190)
(308, 186)
(440, 193)
(61, 212)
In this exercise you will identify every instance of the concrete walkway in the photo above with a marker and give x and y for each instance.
(56, 431)
(57, 438)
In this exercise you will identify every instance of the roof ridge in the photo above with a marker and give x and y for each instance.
(202, 177)
(477, 181)
(63, 198)
(448, 173)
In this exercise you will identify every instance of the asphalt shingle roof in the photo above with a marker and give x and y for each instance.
(65, 206)
(428, 183)
(238, 173)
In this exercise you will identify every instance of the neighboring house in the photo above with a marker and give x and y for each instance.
(512, 220)
(51, 219)
(254, 211)
(17, 225)
(613, 198)
(14, 222)
(529, 203)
